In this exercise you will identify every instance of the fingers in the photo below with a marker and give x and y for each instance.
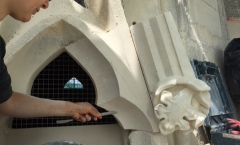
(93, 111)
(88, 118)
(82, 118)
(86, 112)
(85, 118)
(95, 118)
(86, 108)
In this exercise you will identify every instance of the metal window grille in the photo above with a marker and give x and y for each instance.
(50, 84)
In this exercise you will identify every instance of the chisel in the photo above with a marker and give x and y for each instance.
(69, 120)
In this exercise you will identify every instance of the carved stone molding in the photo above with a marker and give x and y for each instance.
(181, 104)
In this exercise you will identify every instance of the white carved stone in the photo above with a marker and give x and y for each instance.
(181, 102)
(146, 138)
(107, 54)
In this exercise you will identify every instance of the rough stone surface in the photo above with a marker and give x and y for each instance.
(232, 8)
(200, 27)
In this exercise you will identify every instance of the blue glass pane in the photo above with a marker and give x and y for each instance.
(73, 83)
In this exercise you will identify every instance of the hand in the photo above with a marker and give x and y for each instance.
(85, 112)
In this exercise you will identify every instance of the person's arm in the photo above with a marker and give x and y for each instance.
(24, 106)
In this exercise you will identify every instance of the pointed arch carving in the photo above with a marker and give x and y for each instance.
(114, 83)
